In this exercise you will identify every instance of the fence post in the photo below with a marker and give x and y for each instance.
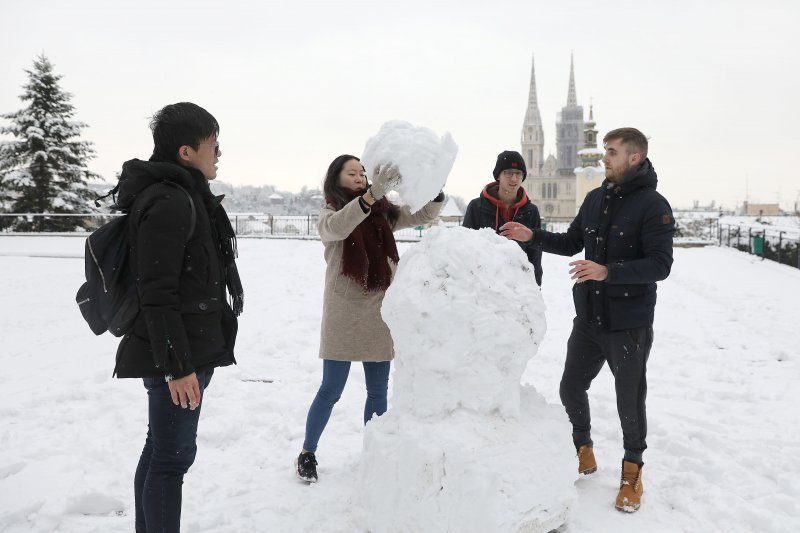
(308, 224)
(780, 245)
(236, 223)
(750, 238)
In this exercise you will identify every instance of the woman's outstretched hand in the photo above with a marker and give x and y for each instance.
(385, 179)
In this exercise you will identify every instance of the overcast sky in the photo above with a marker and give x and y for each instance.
(714, 84)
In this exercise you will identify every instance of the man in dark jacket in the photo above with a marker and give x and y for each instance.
(182, 256)
(625, 228)
(504, 200)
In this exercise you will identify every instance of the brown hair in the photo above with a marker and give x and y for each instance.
(634, 140)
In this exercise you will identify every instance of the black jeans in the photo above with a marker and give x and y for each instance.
(626, 353)
(168, 452)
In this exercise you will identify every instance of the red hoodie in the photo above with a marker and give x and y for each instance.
(501, 211)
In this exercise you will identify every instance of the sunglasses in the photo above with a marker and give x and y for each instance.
(215, 145)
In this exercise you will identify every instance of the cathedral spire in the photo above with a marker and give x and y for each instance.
(572, 98)
(532, 115)
(532, 135)
(569, 128)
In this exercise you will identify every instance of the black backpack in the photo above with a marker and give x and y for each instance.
(109, 300)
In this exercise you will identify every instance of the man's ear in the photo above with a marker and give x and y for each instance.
(636, 158)
(183, 153)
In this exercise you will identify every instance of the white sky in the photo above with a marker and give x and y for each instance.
(713, 84)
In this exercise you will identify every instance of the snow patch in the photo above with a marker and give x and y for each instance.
(95, 503)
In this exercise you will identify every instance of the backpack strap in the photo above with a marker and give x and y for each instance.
(193, 220)
(110, 193)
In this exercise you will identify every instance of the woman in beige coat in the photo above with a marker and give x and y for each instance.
(356, 228)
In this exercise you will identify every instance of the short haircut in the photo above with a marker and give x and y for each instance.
(633, 139)
(180, 124)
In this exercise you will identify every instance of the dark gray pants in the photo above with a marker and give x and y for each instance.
(626, 353)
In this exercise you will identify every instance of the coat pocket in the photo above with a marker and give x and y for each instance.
(623, 242)
(340, 283)
(630, 306)
(197, 263)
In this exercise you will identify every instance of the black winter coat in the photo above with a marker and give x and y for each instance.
(483, 212)
(185, 322)
(628, 228)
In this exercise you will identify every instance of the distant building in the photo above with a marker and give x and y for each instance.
(765, 210)
(591, 173)
(451, 212)
(276, 199)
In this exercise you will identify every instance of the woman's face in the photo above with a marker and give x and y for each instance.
(352, 176)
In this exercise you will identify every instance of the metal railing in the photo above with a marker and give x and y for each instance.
(245, 225)
(53, 222)
(779, 245)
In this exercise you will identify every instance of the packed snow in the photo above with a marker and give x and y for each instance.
(467, 316)
(423, 158)
(722, 399)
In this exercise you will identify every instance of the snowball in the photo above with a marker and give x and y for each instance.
(465, 447)
(424, 159)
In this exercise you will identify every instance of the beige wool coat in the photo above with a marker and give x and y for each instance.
(352, 327)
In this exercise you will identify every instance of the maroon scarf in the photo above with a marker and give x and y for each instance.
(368, 248)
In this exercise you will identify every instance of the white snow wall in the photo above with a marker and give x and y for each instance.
(464, 446)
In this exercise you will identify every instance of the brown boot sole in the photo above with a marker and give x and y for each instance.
(627, 508)
(588, 471)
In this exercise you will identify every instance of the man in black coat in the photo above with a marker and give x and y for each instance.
(504, 200)
(626, 229)
(182, 256)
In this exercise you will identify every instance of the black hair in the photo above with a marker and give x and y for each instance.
(180, 124)
(338, 196)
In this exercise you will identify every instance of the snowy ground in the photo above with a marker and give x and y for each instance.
(722, 400)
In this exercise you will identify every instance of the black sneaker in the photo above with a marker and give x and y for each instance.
(306, 467)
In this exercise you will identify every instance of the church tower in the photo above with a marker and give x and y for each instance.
(532, 137)
(591, 172)
(569, 129)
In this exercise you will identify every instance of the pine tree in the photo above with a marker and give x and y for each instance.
(44, 169)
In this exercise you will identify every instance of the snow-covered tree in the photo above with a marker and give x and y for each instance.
(43, 170)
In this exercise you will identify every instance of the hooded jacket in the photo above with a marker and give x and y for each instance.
(628, 228)
(488, 211)
(185, 322)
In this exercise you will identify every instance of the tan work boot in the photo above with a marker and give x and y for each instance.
(586, 463)
(630, 488)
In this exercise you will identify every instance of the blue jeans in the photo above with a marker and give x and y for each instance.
(334, 377)
(168, 452)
